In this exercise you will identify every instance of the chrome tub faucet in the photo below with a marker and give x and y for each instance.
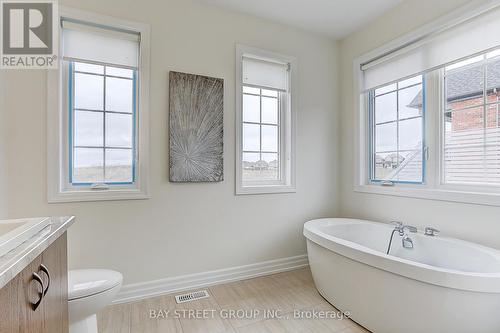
(402, 229)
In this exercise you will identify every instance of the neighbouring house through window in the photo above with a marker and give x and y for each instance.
(471, 152)
(428, 122)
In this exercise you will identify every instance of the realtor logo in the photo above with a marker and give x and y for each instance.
(29, 34)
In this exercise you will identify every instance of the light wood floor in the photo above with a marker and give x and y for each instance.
(284, 293)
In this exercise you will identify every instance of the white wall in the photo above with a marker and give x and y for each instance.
(187, 228)
(471, 222)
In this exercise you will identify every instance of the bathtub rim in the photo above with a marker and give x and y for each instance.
(448, 278)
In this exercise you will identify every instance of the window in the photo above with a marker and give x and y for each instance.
(264, 122)
(397, 140)
(102, 111)
(98, 110)
(471, 150)
(261, 153)
(428, 124)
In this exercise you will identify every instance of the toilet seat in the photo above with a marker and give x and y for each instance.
(88, 282)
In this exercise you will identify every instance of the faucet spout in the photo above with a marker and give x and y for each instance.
(407, 242)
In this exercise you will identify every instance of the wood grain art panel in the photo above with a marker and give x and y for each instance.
(196, 128)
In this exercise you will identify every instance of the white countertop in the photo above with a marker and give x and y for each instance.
(16, 260)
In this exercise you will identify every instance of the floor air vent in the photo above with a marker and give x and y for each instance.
(192, 296)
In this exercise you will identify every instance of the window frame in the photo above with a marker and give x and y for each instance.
(281, 102)
(286, 129)
(70, 84)
(433, 188)
(477, 187)
(371, 95)
(58, 187)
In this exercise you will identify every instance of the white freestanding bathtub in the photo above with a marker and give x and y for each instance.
(442, 285)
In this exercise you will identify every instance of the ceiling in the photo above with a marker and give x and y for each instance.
(333, 18)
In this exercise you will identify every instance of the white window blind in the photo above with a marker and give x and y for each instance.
(85, 42)
(459, 41)
(265, 74)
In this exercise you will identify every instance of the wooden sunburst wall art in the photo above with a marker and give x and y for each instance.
(196, 128)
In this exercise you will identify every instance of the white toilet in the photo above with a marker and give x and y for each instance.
(90, 290)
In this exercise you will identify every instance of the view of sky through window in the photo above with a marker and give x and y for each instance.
(102, 124)
(260, 134)
(397, 131)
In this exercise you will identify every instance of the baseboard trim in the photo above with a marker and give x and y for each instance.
(137, 291)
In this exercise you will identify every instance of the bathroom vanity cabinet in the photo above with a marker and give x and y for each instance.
(36, 299)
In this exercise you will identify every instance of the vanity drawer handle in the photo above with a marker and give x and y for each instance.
(44, 269)
(37, 278)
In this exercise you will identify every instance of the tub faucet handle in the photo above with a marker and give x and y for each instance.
(397, 223)
(411, 228)
(430, 231)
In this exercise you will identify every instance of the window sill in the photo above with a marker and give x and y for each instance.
(104, 195)
(269, 189)
(462, 196)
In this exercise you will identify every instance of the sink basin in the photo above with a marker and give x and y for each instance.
(14, 232)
